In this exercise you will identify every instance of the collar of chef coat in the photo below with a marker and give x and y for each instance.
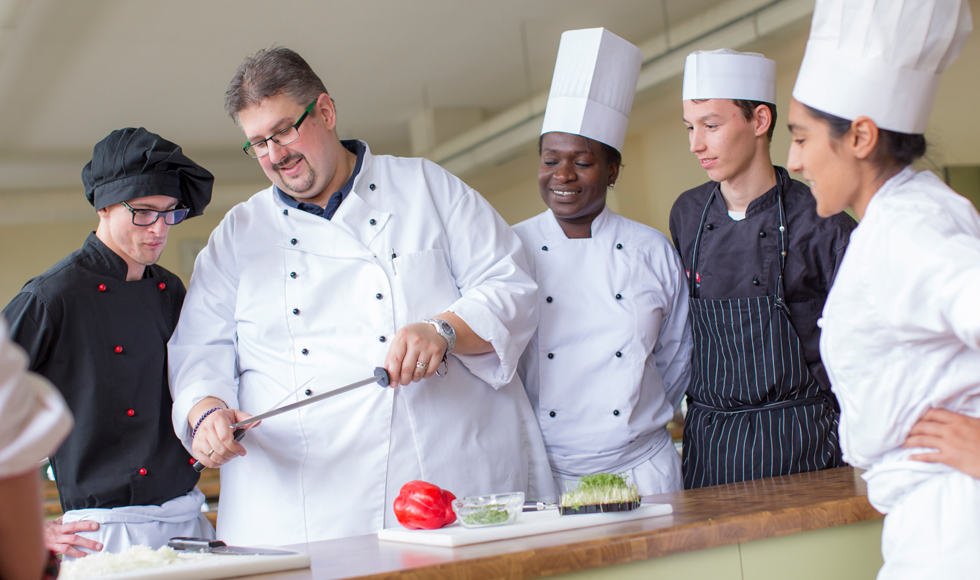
(357, 148)
(757, 205)
(113, 264)
(348, 235)
(554, 231)
(890, 187)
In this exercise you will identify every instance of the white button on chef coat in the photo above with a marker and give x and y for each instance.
(611, 358)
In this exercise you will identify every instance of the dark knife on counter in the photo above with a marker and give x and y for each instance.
(537, 506)
(206, 546)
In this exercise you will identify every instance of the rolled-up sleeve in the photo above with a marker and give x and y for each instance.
(498, 295)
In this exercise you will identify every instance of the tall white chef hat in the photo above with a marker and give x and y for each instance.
(729, 74)
(882, 60)
(593, 87)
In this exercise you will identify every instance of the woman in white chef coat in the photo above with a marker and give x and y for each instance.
(901, 329)
(610, 360)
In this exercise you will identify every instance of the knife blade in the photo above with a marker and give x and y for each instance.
(380, 376)
(207, 546)
(239, 433)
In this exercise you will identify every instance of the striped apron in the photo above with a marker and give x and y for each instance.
(754, 408)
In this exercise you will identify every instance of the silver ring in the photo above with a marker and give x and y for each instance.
(209, 453)
(422, 365)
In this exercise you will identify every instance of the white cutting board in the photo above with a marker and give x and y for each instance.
(216, 566)
(527, 524)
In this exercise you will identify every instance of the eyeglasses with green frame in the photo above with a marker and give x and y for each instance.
(281, 137)
(148, 217)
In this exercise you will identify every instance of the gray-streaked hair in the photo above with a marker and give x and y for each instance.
(270, 72)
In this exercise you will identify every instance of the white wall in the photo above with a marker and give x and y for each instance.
(657, 165)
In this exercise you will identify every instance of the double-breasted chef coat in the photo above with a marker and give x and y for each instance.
(280, 296)
(611, 357)
(102, 341)
(759, 402)
(901, 335)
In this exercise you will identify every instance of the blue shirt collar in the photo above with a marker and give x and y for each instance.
(352, 145)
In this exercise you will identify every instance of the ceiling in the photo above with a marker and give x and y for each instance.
(72, 71)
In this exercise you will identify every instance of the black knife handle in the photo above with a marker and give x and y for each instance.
(239, 433)
(194, 544)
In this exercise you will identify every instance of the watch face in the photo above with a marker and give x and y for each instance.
(446, 327)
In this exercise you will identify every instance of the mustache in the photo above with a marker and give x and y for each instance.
(288, 161)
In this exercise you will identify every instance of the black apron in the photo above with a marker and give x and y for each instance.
(754, 408)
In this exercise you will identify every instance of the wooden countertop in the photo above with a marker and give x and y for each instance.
(702, 518)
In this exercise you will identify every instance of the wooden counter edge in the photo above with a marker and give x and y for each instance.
(541, 562)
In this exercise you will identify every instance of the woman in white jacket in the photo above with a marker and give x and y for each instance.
(610, 360)
(901, 329)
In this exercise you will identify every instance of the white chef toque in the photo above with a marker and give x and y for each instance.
(593, 87)
(729, 74)
(882, 60)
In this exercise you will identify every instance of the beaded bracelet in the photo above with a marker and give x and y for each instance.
(201, 420)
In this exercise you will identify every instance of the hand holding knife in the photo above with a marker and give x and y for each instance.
(380, 376)
(239, 433)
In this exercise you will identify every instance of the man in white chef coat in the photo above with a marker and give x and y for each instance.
(347, 262)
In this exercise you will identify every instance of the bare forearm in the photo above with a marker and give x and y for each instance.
(22, 552)
(467, 341)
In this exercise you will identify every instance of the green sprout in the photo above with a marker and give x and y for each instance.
(600, 489)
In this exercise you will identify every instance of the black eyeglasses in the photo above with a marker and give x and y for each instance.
(148, 217)
(281, 137)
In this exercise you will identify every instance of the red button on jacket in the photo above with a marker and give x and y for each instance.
(130, 412)
(118, 349)
(142, 471)
(102, 288)
(161, 286)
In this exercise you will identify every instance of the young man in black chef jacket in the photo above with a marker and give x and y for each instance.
(760, 263)
(96, 324)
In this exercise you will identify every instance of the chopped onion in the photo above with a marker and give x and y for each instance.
(135, 558)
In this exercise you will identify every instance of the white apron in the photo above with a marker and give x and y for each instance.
(610, 360)
(144, 525)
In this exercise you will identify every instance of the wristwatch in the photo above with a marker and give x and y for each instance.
(445, 330)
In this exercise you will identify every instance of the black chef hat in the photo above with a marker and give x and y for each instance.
(132, 163)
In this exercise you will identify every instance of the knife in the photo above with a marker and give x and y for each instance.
(380, 376)
(537, 506)
(239, 433)
(207, 546)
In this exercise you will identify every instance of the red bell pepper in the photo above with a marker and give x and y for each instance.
(421, 505)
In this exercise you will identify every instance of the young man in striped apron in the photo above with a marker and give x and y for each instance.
(760, 263)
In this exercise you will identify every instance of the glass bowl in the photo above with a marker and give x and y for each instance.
(489, 510)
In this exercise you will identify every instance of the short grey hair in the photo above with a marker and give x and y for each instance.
(270, 72)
